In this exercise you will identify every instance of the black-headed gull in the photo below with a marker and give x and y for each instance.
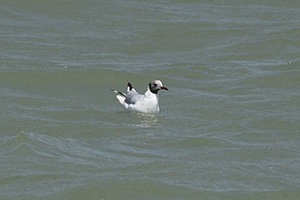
(146, 103)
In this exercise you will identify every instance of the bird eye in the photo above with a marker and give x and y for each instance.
(155, 84)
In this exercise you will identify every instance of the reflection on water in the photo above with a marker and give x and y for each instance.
(143, 120)
(146, 120)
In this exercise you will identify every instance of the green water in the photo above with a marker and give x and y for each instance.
(228, 127)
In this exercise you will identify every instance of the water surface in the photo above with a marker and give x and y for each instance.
(228, 126)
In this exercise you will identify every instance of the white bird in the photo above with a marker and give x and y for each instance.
(146, 103)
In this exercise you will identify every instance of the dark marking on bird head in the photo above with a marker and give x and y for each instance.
(156, 85)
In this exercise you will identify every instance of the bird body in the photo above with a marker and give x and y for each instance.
(146, 103)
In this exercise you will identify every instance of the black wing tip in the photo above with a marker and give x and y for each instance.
(130, 86)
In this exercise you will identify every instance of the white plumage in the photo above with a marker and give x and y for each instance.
(146, 103)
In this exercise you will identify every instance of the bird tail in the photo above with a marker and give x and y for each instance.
(120, 96)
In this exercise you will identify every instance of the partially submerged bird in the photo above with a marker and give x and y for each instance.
(146, 103)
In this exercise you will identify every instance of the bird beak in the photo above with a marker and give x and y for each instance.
(164, 88)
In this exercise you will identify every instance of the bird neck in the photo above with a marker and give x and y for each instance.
(150, 93)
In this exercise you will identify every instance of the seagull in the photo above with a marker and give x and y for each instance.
(145, 103)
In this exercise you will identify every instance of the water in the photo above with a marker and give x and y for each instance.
(228, 127)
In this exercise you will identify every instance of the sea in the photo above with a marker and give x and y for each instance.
(228, 128)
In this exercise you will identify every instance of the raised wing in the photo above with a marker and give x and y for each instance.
(132, 96)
